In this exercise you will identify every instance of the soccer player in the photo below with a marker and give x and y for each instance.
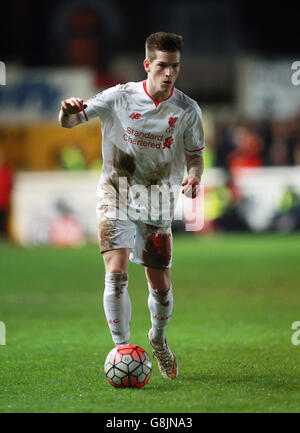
(150, 131)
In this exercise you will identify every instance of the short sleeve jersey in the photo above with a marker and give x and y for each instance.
(143, 139)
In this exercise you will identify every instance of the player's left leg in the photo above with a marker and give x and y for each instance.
(160, 302)
(153, 249)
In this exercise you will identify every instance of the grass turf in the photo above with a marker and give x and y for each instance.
(235, 298)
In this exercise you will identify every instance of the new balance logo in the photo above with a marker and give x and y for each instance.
(135, 115)
(167, 143)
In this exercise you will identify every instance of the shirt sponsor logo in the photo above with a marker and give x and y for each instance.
(167, 143)
(146, 139)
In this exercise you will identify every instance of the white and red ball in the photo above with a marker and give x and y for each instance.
(128, 366)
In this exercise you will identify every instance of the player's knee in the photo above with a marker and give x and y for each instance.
(116, 261)
(160, 285)
(159, 280)
(161, 289)
(116, 268)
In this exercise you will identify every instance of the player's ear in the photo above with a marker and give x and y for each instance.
(147, 65)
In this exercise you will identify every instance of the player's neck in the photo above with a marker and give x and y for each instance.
(156, 94)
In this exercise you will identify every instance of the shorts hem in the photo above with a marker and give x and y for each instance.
(113, 248)
(160, 268)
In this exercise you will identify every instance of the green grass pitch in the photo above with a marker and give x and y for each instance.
(235, 299)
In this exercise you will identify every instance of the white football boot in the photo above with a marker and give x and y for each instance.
(166, 359)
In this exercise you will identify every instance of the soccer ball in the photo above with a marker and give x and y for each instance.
(128, 366)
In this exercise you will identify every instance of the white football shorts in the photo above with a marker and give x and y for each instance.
(150, 246)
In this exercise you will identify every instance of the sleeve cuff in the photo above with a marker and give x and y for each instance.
(200, 149)
(83, 116)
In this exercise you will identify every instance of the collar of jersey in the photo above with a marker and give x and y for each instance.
(154, 100)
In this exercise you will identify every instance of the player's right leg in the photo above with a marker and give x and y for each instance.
(116, 238)
(116, 301)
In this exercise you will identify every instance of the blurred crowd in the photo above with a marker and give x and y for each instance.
(254, 144)
(241, 144)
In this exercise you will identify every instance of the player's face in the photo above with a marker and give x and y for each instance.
(163, 70)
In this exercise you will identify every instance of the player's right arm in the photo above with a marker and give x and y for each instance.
(69, 112)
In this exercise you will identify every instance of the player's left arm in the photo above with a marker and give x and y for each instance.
(195, 168)
(193, 148)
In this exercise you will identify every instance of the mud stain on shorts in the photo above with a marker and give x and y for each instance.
(107, 233)
(157, 249)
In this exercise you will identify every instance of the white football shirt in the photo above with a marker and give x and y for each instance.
(145, 141)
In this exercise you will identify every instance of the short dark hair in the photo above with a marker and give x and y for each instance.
(162, 41)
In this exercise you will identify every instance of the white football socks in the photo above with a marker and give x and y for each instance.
(160, 305)
(117, 307)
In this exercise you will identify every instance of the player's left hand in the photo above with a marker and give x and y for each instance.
(190, 185)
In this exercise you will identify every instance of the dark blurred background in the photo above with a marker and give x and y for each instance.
(237, 63)
(41, 33)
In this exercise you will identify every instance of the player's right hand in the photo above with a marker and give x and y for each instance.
(72, 105)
